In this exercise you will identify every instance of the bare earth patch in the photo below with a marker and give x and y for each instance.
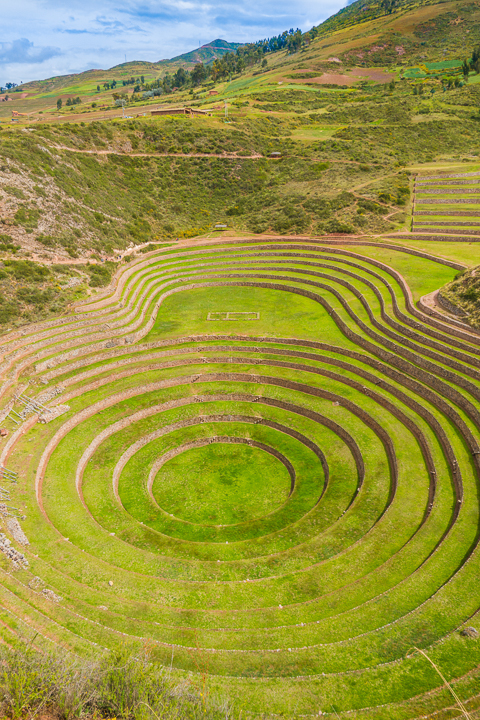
(352, 78)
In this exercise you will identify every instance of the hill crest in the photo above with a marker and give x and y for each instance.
(206, 53)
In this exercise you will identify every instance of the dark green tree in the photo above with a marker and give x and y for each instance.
(59, 103)
(389, 6)
(198, 74)
(180, 78)
(474, 62)
(294, 42)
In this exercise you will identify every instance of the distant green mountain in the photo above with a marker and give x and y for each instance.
(205, 54)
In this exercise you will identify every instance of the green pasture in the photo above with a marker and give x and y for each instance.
(222, 485)
(432, 68)
(422, 276)
(281, 314)
(467, 253)
(313, 134)
(445, 226)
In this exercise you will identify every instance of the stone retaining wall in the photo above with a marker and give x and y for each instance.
(449, 306)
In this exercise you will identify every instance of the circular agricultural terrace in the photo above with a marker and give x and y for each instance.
(264, 463)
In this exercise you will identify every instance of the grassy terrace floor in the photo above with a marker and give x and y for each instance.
(283, 501)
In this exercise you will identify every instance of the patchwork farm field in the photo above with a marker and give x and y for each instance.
(260, 458)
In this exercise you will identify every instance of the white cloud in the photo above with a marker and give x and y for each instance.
(66, 37)
(23, 51)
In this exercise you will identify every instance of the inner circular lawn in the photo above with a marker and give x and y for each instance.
(222, 484)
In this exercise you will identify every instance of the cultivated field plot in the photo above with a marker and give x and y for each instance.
(283, 509)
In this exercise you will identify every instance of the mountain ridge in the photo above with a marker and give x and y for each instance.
(205, 53)
(208, 52)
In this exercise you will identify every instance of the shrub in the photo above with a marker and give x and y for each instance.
(139, 230)
(291, 218)
(46, 240)
(27, 270)
(8, 310)
(27, 217)
(386, 198)
(343, 200)
(337, 226)
(34, 296)
(320, 206)
(371, 206)
(100, 275)
(122, 684)
(7, 244)
(235, 210)
(16, 192)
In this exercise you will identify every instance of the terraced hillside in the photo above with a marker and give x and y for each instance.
(262, 459)
(454, 201)
(446, 206)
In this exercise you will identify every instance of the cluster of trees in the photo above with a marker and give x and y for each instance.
(451, 82)
(388, 6)
(253, 53)
(139, 82)
(291, 40)
(228, 65)
(133, 81)
(473, 63)
(8, 86)
(181, 79)
(107, 85)
(69, 103)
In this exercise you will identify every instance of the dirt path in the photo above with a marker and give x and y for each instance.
(233, 156)
(431, 301)
(117, 257)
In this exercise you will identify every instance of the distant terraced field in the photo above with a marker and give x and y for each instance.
(267, 467)
(446, 207)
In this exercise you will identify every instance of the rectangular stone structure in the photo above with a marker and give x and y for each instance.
(232, 315)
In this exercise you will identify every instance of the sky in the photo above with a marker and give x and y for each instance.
(43, 38)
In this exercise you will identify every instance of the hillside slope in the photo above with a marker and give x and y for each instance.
(82, 185)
